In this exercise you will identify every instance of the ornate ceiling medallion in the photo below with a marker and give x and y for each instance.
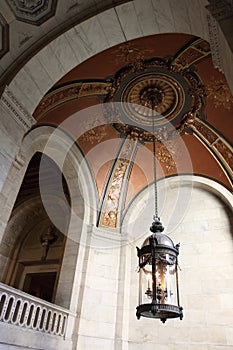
(168, 93)
(178, 92)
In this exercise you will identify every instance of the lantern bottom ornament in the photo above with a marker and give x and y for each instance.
(160, 311)
(158, 276)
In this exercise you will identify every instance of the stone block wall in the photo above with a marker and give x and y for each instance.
(206, 280)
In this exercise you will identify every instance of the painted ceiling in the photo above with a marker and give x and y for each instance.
(194, 133)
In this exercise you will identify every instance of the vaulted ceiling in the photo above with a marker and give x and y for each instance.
(194, 104)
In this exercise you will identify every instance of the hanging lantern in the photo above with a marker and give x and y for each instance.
(158, 260)
(158, 276)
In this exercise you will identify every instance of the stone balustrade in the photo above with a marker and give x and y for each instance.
(24, 310)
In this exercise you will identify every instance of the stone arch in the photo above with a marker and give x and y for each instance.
(65, 153)
(59, 146)
(28, 221)
(143, 199)
(114, 26)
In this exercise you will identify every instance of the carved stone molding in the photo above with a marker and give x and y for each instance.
(33, 11)
(19, 161)
(222, 12)
(213, 28)
(220, 9)
(16, 110)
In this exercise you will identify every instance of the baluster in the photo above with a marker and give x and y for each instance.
(63, 325)
(29, 318)
(54, 323)
(20, 310)
(43, 327)
(58, 327)
(5, 307)
(49, 322)
(27, 310)
(15, 314)
(8, 309)
(35, 322)
(24, 313)
(2, 304)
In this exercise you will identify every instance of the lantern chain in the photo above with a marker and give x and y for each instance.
(152, 98)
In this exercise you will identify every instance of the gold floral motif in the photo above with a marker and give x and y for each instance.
(94, 135)
(92, 88)
(225, 152)
(130, 54)
(111, 202)
(205, 131)
(96, 130)
(56, 98)
(166, 153)
(222, 149)
(109, 219)
(220, 93)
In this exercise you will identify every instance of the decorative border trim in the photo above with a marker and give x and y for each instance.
(213, 28)
(220, 9)
(195, 51)
(71, 92)
(216, 144)
(115, 191)
(18, 112)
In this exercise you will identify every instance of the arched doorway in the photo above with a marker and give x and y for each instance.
(37, 246)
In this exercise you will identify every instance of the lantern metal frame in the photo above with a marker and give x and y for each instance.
(162, 251)
(158, 258)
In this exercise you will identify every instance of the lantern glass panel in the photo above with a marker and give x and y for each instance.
(146, 285)
(166, 279)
